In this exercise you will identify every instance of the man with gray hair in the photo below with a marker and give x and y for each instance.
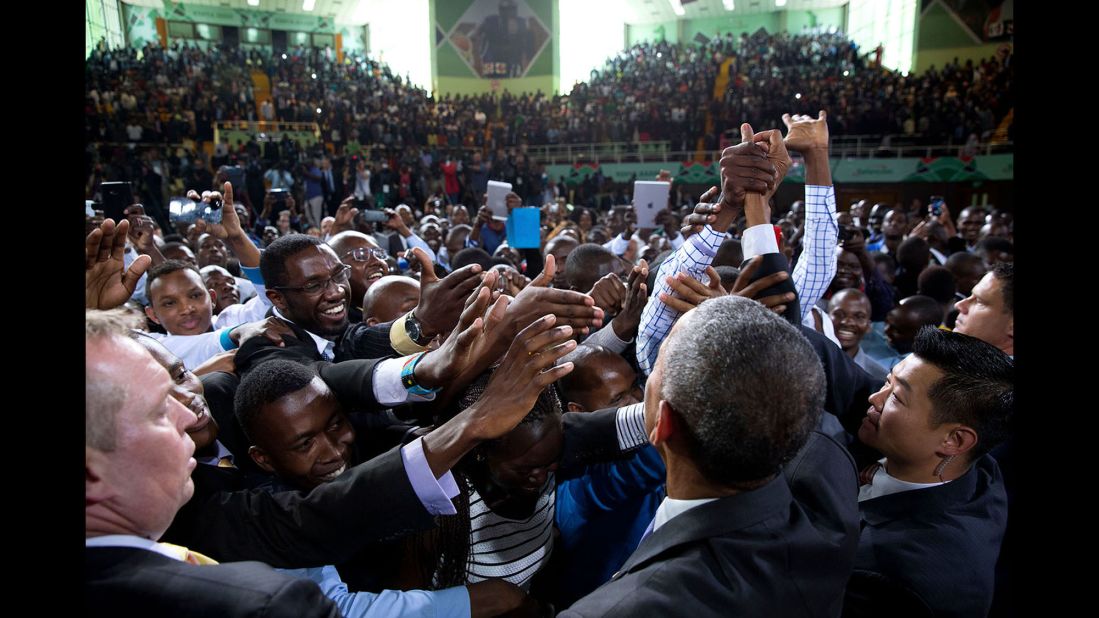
(734, 396)
(132, 422)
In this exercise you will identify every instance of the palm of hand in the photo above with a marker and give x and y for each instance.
(103, 284)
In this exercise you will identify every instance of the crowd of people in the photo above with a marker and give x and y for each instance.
(650, 91)
(380, 407)
(150, 114)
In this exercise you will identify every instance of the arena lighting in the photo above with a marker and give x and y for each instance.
(797, 96)
(313, 75)
(677, 7)
(362, 11)
(728, 4)
(318, 110)
(253, 2)
(307, 5)
(780, 2)
(846, 73)
(284, 56)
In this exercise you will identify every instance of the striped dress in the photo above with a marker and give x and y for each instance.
(511, 549)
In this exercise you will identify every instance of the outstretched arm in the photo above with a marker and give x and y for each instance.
(817, 266)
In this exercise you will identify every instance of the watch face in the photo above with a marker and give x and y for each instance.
(412, 328)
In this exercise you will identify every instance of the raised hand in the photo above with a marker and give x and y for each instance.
(571, 308)
(774, 302)
(527, 369)
(705, 213)
(745, 168)
(637, 294)
(779, 157)
(470, 343)
(691, 292)
(395, 222)
(230, 222)
(142, 229)
(107, 281)
(440, 299)
(805, 132)
(609, 293)
(344, 214)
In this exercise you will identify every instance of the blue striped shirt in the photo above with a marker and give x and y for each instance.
(811, 276)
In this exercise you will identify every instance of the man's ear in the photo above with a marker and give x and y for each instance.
(213, 296)
(277, 299)
(261, 459)
(96, 487)
(1011, 329)
(372, 321)
(665, 425)
(149, 314)
(575, 407)
(959, 441)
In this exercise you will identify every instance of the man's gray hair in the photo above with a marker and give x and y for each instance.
(748, 386)
(103, 399)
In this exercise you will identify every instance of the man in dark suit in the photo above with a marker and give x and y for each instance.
(934, 509)
(133, 422)
(734, 394)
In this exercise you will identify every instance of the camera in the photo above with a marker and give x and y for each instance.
(936, 205)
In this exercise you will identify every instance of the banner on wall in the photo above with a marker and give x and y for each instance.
(494, 39)
(845, 171)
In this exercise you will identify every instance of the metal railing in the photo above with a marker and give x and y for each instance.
(265, 127)
(617, 152)
(843, 147)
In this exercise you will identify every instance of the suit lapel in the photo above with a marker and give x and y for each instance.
(906, 504)
(712, 519)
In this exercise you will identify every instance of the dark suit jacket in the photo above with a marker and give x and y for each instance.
(848, 389)
(357, 342)
(752, 554)
(395, 246)
(124, 581)
(371, 502)
(825, 484)
(939, 543)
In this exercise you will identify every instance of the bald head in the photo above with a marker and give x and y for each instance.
(601, 379)
(389, 298)
(345, 241)
(903, 322)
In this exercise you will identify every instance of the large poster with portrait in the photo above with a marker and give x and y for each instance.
(494, 40)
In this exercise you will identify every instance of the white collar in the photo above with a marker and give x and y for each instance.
(883, 484)
(671, 507)
(321, 343)
(128, 540)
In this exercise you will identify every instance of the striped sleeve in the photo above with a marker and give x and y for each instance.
(817, 266)
(657, 318)
(630, 422)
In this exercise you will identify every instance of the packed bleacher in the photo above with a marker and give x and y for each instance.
(350, 382)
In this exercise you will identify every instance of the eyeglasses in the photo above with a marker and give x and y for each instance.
(362, 254)
(317, 287)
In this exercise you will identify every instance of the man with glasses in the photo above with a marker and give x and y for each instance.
(367, 262)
